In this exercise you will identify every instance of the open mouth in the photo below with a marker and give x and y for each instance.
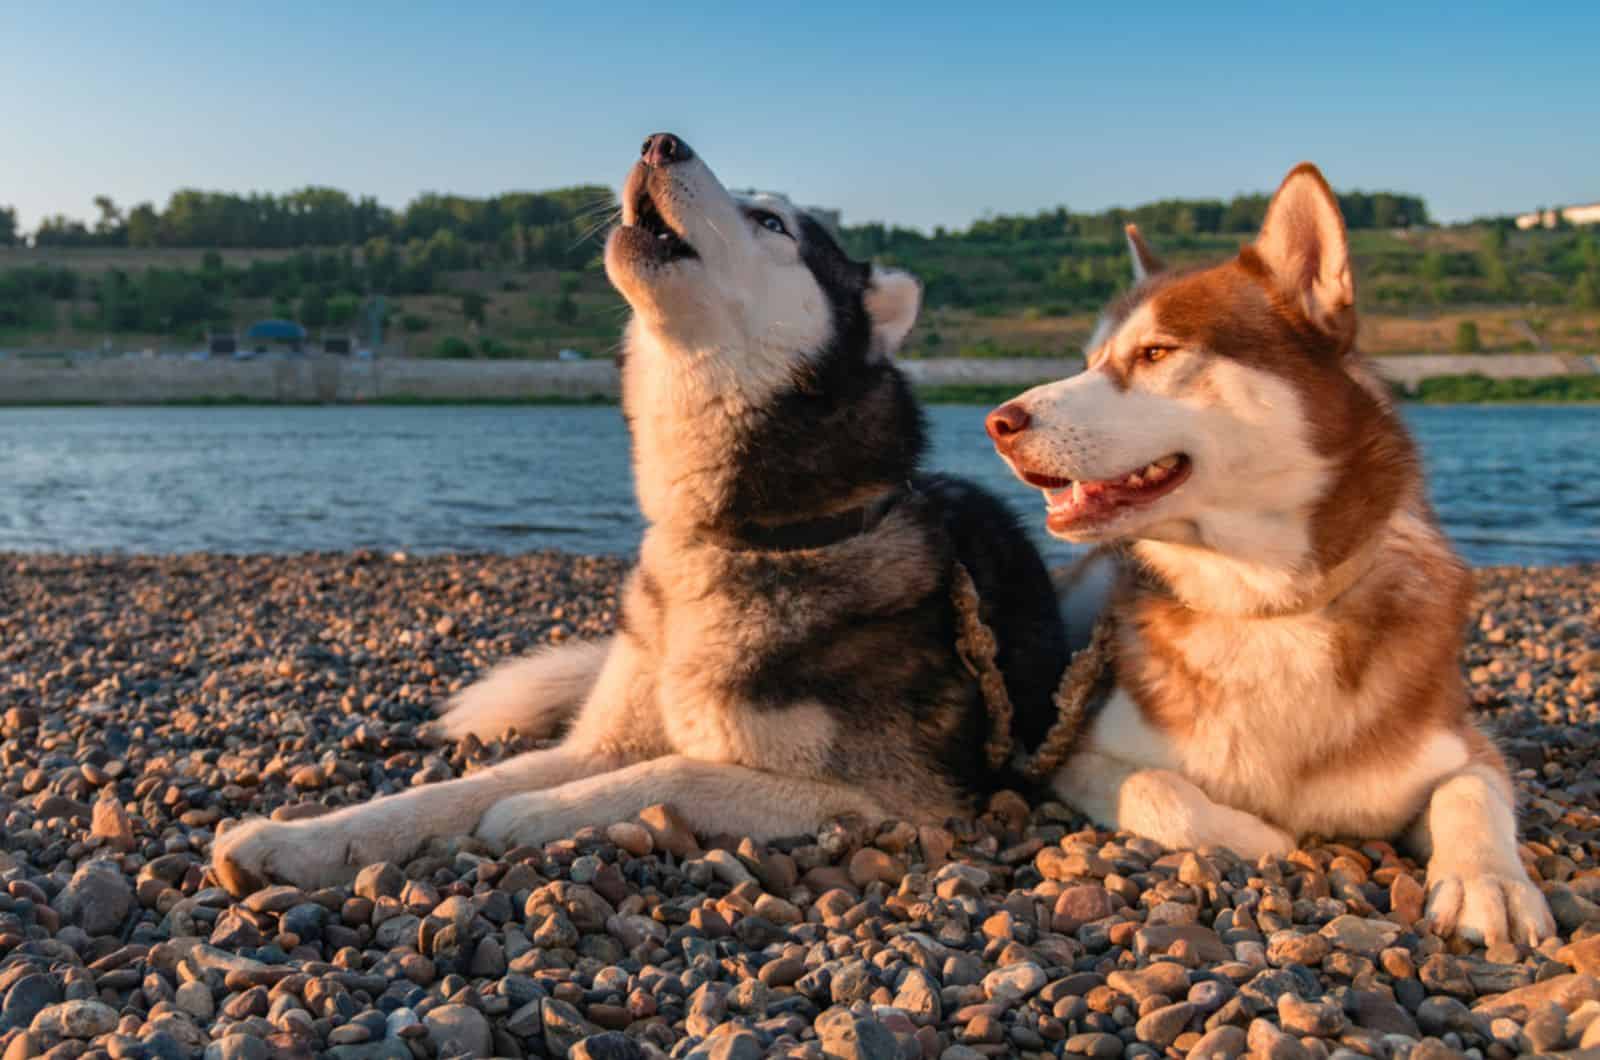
(665, 243)
(1074, 504)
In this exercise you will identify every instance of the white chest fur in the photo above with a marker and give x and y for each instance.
(1275, 715)
(707, 640)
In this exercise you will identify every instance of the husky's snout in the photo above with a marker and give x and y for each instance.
(1005, 423)
(664, 149)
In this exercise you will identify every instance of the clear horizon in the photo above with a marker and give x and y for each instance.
(920, 118)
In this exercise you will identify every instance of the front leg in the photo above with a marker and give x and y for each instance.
(1162, 805)
(329, 850)
(713, 797)
(1477, 886)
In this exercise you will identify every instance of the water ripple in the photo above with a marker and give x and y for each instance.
(1512, 484)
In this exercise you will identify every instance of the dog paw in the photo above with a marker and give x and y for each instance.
(513, 822)
(305, 853)
(1486, 908)
(1262, 840)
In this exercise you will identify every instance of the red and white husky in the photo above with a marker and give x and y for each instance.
(1290, 614)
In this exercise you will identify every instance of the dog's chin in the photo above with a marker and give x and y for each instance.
(637, 259)
(1099, 533)
(1149, 524)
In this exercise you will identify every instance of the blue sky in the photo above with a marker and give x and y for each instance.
(917, 114)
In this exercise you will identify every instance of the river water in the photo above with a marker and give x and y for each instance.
(1512, 484)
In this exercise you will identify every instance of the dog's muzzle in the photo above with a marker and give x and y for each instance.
(664, 149)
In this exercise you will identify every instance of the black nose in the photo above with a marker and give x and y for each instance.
(664, 149)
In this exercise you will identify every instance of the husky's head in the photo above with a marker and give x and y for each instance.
(756, 375)
(1223, 412)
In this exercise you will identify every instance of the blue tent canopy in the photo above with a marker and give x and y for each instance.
(276, 331)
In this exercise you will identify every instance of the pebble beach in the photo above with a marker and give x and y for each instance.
(147, 704)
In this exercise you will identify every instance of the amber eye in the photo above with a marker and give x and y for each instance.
(1152, 354)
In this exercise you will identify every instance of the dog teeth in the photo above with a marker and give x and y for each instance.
(1058, 498)
(1152, 473)
(1078, 494)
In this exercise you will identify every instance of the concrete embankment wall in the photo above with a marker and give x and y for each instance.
(1409, 371)
(326, 380)
(143, 380)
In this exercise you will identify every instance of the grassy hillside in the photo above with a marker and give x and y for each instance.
(1033, 291)
(1430, 290)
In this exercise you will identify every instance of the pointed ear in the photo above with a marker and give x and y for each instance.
(1145, 262)
(1303, 244)
(892, 299)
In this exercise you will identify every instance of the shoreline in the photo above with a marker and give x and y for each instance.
(402, 556)
(1554, 378)
(152, 701)
(973, 395)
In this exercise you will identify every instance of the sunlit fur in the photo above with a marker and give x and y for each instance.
(758, 690)
(1290, 616)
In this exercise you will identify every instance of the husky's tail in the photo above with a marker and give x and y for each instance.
(536, 695)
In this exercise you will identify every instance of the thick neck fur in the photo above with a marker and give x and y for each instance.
(1275, 560)
(1294, 716)
(1389, 636)
(723, 438)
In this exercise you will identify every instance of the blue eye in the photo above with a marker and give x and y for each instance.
(770, 221)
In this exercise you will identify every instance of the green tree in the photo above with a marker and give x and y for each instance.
(25, 299)
(143, 226)
(494, 349)
(313, 308)
(453, 348)
(444, 250)
(59, 230)
(1467, 340)
(566, 309)
(1244, 213)
(1586, 292)
(1433, 274)
(342, 309)
(9, 232)
(473, 306)
(110, 228)
(1589, 252)
(1495, 273)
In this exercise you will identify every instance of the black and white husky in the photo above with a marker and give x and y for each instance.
(787, 644)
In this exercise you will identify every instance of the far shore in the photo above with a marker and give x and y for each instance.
(937, 395)
(1434, 379)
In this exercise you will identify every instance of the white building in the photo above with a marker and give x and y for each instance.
(1573, 215)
